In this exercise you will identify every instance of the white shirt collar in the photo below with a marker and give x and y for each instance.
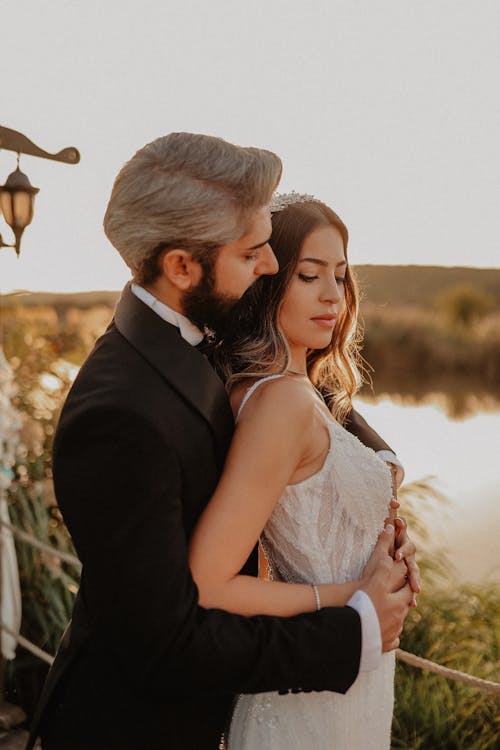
(188, 330)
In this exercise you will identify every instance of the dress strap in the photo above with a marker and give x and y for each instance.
(253, 388)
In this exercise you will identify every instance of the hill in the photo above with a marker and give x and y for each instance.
(418, 285)
(80, 300)
(414, 286)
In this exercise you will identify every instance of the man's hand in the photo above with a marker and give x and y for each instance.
(385, 582)
(405, 549)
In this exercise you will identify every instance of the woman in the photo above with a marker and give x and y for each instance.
(295, 478)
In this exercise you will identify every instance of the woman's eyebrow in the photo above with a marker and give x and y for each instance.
(321, 262)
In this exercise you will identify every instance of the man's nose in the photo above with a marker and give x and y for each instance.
(267, 264)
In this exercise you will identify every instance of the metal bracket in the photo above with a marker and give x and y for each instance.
(11, 140)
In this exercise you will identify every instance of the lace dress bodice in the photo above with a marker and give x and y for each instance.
(323, 530)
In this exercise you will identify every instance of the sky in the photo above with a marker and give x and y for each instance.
(388, 110)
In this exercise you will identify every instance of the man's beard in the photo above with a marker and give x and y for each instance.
(206, 307)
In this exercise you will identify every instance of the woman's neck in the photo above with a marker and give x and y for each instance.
(298, 362)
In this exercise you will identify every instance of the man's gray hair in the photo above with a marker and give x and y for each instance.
(184, 190)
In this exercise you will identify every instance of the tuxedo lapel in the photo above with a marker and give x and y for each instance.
(185, 369)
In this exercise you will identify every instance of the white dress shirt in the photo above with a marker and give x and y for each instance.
(188, 330)
(371, 640)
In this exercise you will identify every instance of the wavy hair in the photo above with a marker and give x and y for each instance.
(186, 190)
(257, 345)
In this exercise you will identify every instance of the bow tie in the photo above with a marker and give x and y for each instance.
(208, 343)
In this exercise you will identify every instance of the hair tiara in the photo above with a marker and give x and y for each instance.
(280, 201)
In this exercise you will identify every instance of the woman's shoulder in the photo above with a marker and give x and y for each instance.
(272, 396)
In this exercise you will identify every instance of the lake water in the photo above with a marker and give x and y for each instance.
(464, 456)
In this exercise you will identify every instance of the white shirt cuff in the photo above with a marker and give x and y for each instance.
(391, 458)
(371, 639)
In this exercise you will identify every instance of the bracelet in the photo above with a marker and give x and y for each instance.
(316, 596)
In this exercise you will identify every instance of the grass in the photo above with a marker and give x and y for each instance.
(48, 587)
(458, 628)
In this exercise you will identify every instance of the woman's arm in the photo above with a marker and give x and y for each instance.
(272, 441)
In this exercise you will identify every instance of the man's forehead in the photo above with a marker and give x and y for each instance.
(257, 233)
(259, 222)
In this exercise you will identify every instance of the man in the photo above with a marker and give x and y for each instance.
(139, 448)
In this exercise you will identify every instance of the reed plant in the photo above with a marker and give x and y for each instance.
(48, 586)
(458, 628)
(37, 351)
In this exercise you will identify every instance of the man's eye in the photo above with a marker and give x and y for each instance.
(252, 256)
(306, 278)
(340, 279)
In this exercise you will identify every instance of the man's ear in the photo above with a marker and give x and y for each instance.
(181, 269)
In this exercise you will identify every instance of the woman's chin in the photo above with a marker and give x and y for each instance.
(320, 342)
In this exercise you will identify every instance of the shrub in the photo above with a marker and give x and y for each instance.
(464, 304)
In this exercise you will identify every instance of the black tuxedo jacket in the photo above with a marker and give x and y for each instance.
(139, 448)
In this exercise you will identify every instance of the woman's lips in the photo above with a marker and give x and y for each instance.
(325, 321)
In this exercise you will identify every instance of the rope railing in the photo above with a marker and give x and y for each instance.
(28, 645)
(404, 656)
(450, 674)
(34, 542)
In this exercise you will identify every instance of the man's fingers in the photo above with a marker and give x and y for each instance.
(405, 597)
(407, 552)
(393, 640)
(399, 576)
(407, 549)
(401, 531)
(413, 573)
(393, 625)
(400, 522)
(401, 600)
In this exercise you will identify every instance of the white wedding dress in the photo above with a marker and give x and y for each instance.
(323, 530)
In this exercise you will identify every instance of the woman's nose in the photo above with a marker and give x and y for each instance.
(333, 292)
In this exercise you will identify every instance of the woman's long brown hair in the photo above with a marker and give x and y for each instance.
(256, 345)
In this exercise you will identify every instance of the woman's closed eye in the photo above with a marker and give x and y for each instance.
(306, 278)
